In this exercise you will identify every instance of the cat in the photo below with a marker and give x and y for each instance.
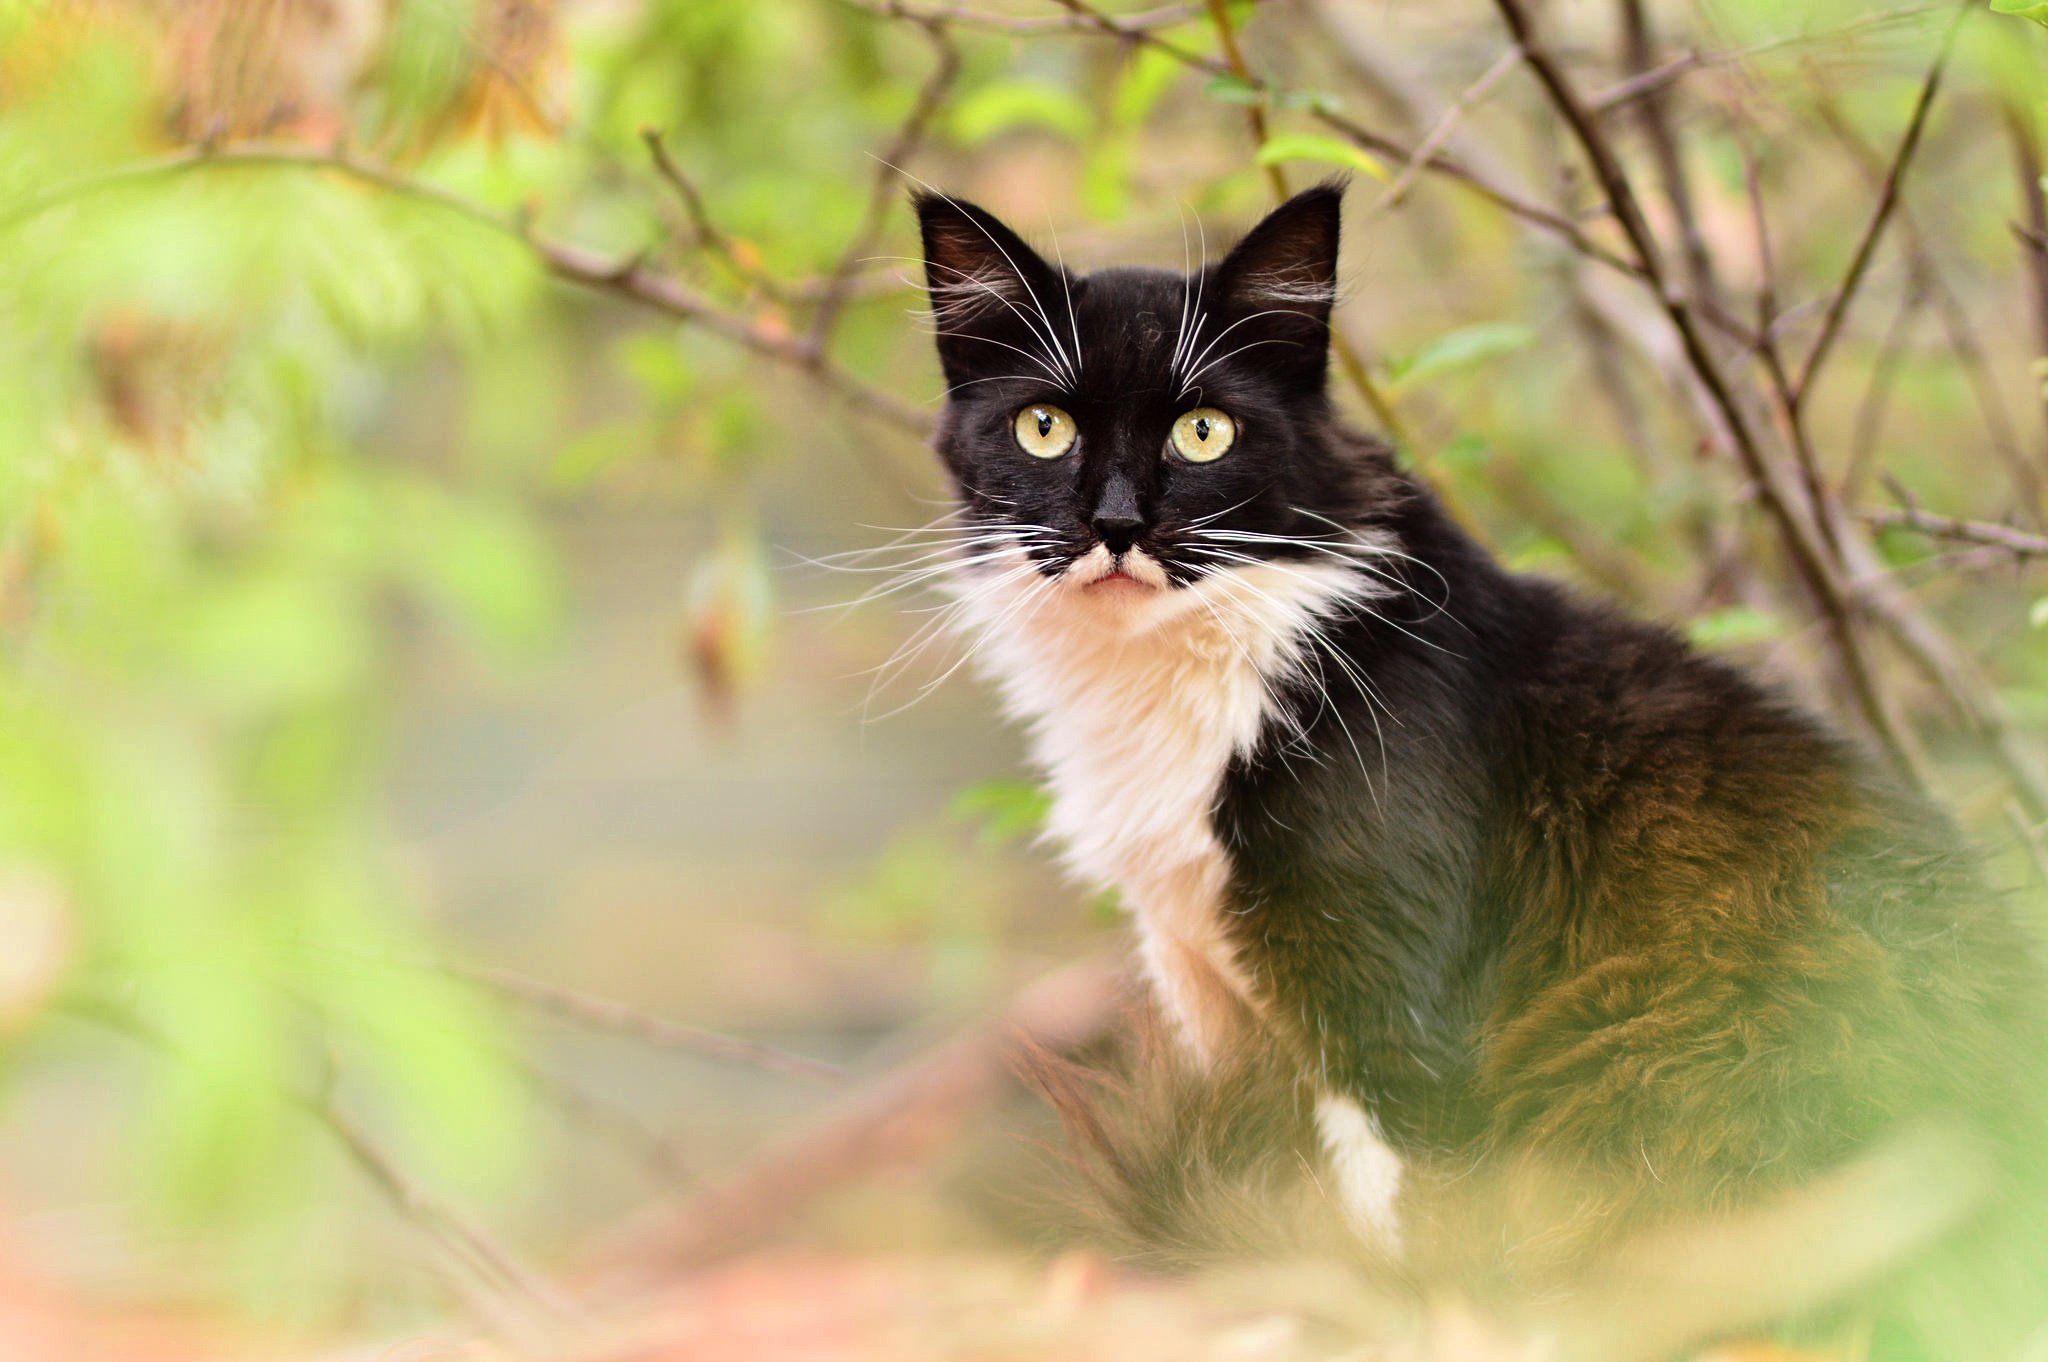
(1494, 873)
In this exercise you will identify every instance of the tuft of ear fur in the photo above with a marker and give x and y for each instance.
(1280, 282)
(1290, 259)
(985, 284)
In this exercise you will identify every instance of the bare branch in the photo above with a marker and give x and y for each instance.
(1129, 25)
(905, 1113)
(1649, 82)
(1796, 521)
(603, 1014)
(630, 280)
(1445, 127)
(1911, 517)
(487, 1277)
(1887, 200)
(889, 170)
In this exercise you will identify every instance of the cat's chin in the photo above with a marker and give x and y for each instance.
(1117, 586)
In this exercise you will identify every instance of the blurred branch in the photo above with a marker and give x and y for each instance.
(603, 1014)
(888, 172)
(900, 1117)
(708, 235)
(1075, 21)
(1445, 127)
(1654, 117)
(1797, 523)
(1870, 412)
(629, 279)
(576, 1108)
(1648, 82)
(1346, 354)
(482, 1273)
(1887, 201)
(1911, 517)
(2033, 236)
(1956, 322)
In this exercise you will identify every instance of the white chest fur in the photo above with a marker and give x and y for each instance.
(1134, 711)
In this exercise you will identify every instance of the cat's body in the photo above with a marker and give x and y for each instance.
(1501, 875)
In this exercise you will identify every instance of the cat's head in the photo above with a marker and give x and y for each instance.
(1140, 430)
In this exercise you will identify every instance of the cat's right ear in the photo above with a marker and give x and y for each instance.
(988, 290)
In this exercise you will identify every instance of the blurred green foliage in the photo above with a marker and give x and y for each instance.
(222, 521)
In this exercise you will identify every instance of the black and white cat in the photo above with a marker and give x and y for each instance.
(1500, 873)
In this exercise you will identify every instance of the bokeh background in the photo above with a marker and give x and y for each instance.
(479, 822)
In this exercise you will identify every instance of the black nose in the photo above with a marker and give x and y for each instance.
(1116, 520)
(1117, 531)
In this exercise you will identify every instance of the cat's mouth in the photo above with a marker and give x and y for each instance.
(1129, 576)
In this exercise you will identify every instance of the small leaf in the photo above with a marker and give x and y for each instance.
(1234, 90)
(1005, 809)
(1734, 625)
(2037, 10)
(2037, 614)
(1460, 349)
(1309, 146)
(1312, 101)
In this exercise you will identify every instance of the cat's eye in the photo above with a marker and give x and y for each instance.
(1045, 432)
(1203, 435)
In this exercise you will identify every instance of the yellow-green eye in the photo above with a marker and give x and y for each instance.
(1045, 432)
(1203, 435)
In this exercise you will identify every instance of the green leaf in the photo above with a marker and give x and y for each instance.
(1460, 349)
(2037, 613)
(1312, 101)
(1310, 146)
(1234, 90)
(1734, 625)
(2037, 10)
(1007, 105)
(1005, 809)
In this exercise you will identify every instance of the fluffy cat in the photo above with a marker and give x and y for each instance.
(1495, 875)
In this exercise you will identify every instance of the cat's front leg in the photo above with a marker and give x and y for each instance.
(1201, 995)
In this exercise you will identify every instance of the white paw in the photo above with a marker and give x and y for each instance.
(1365, 1168)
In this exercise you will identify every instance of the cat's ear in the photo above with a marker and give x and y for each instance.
(989, 291)
(1284, 273)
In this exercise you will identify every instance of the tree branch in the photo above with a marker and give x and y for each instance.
(1796, 522)
(629, 280)
(603, 1014)
(1887, 201)
(888, 172)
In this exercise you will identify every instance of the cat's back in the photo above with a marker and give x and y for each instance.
(1742, 947)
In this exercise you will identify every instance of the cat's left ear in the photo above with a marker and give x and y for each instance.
(1286, 269)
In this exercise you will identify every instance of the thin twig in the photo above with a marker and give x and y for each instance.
(899, 1117)
(708, 235)
(630, 279)
(910, 135)
(604, 1014)
(1166, 16)
(1796, 525)
(1925, 271)
(484, 1274)
(1887, 201)
(1445, 128)
(1646, 83)
(1349, 362)
(2018, 542)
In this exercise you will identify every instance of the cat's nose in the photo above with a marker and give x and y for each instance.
(1119, 532)
(1117, 520)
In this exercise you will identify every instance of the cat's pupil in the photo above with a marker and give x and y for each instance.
(1202, 429)
(1045, 423)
